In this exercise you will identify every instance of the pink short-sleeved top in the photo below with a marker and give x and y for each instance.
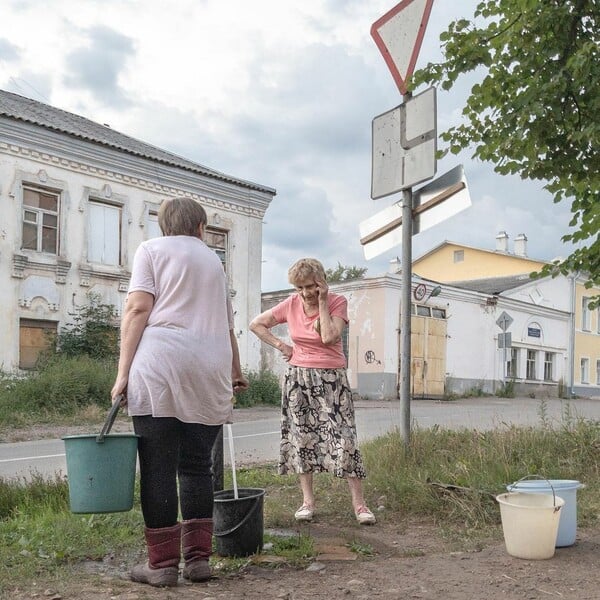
(182, 366)
(308, 348)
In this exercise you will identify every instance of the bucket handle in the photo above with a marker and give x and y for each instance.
(512, 486)
(110, 419)
(241, 523)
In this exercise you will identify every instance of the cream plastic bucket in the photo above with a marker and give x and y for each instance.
(530, 523)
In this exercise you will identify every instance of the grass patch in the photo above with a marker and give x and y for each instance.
(445, 477)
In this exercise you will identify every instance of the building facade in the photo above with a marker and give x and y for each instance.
(76, 200)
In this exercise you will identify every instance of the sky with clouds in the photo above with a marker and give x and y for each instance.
(280, 93)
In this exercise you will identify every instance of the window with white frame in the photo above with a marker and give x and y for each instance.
(512, 364)
(585, 370)
(531, 371)
(585, 314)
(104, 238)
(548, 366)
(40, 219)
(459, 256)
(598, 372)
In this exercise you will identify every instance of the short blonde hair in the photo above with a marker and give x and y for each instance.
(304, 268)
(181, 216)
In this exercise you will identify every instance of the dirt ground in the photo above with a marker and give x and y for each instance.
(410, 560)
(396, 558)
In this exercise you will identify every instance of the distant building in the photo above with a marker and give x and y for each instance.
(458, 344)
(480, 269)
(77, 198)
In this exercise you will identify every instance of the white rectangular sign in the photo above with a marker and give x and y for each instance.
(435, 202)
(404, 145)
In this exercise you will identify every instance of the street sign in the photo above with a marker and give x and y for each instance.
(443, 197)
(399, 35)
(504, 321)
(505, 340)
(404, 145)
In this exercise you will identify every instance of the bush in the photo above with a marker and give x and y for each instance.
(264, 388)
(93, 332)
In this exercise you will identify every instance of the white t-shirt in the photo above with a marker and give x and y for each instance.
(182, 366)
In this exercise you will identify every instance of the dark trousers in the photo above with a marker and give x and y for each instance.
(170, 451)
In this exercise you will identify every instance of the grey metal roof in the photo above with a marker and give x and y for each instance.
(493, 285)
(44, 115)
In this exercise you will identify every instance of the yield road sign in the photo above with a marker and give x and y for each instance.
(404, 145)
(504, 321)
(399, 35)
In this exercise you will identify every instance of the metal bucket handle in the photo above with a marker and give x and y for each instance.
(511, 487)
(242, 522)
(110, 419)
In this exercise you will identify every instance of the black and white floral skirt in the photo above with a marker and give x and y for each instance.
(318, 429)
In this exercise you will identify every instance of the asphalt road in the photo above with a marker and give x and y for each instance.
(256, 431)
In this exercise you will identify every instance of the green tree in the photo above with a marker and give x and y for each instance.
(535, 110)
(344, 273)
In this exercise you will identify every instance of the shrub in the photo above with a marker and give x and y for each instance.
(93, 332)
(264, 388)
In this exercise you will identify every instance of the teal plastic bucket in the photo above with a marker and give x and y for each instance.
(101, 470)
(567, 490)
(238, 522)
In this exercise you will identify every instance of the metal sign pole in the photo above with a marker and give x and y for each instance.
(405, 310)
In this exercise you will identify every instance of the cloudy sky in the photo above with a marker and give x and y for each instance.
(278, 92)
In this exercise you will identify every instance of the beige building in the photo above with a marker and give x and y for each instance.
(463, 265)
(76, 200)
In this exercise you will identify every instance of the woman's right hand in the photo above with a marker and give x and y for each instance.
(119, 390)
(286, 351)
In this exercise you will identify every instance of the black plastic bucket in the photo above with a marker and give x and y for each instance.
(238, 522)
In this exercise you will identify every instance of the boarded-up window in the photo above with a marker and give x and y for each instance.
(104, 241)
(34, 338)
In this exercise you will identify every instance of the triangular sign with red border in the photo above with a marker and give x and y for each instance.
(399, 35)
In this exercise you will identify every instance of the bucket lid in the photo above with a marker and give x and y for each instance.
(543, 484)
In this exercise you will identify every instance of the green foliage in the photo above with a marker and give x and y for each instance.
(474, 466)
(62, 386)
(93, 331)
(506, 389)
(264, 388)
(344, 273)
(534, 111)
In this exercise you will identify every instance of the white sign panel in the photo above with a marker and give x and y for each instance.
(435, 202)
(382, 231)
(452, 194)
(404, 145)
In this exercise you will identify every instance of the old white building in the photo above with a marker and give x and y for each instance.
(77, 198)
(454, 336)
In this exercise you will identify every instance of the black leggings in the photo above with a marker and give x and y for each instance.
(169, 450)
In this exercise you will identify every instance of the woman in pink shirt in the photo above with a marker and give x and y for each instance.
(318, 432)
